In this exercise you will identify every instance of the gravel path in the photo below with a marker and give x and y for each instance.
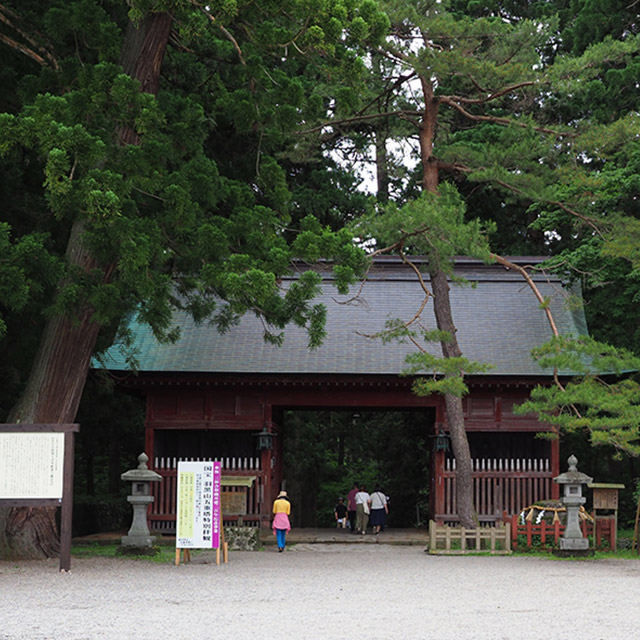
(338, 591)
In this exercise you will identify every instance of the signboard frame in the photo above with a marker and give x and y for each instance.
(199, 508)
(65, 501)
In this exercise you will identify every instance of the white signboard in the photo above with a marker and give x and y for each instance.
(31, 465)
(198, 508)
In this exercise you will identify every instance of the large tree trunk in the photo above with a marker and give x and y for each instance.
(444, 321)
(52, 395)
(453, 404)
(59, 372)
(427, 137)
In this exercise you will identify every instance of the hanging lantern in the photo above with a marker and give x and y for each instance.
(442, 441)
(265, 439)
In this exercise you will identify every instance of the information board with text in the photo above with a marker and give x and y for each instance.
(198, 517)
(31, 465)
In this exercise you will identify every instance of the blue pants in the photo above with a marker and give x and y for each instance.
(281, 537)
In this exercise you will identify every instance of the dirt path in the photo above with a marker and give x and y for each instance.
(323, 591)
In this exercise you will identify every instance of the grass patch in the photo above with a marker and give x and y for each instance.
(620, 554)
(165, 554)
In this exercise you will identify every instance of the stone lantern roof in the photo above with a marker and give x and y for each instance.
(573, 476)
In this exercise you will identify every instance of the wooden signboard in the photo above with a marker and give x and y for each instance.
(605, 496)
(234, 499)
(234, 503)
(36, 470)
(605, 499)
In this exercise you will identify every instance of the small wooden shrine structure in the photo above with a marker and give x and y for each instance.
(209, 395)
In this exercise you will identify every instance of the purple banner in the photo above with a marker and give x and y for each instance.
(217, 506)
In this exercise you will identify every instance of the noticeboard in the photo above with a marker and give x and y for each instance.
(234, 503)
(198, 517)
(36, 470)
(32, 465)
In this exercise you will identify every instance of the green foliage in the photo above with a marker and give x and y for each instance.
(433, 225)
(448, 373)
(596, 400)
(326, 452)
(27, 270)
(173, 220)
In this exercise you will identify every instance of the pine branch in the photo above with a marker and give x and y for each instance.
(492, 96)
(523, 272)
(450, 101)
(590, 221)
(10, 19)
(532, 285)
(226, 33)
(360, 118)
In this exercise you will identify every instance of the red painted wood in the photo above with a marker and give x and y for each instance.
(247, 403)
(551, 533)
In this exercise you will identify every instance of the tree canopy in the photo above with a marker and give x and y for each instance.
(182, 154)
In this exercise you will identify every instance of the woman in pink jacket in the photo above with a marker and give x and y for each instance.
(281, 511)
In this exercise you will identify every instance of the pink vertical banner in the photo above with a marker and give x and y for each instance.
(216, 511)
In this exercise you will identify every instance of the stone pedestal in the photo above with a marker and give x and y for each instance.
(139, 534)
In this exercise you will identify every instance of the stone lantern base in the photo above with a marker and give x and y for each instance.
(132, 550)
(573, 553)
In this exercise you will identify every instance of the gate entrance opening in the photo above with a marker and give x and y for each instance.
(325, 452)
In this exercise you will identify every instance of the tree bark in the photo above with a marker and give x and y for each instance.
(444, 320)
(427, 137)
(382, 168)
(59, 371)
(453, 404)
(52, 395)
(142, 56)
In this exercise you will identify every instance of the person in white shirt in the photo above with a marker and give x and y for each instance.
(379, 510)
(363, 502)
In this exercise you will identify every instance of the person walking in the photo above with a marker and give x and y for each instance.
(281, 524)
(362, 509)
(340, 513)
(351, 506)
(379, 510)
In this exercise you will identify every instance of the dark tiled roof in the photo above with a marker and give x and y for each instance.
(499, 321)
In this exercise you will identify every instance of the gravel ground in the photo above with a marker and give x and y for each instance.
(337, 591)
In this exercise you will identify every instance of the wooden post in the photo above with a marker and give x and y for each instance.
(437, 497)
(186, 555)
(555, 467)
(66, 511)
(222, 545)
(63, 500)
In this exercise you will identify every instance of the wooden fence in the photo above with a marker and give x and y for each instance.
(545, 535)
(447, 540)
(498, 485)
(162, 511)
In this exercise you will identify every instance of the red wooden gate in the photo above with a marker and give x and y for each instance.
(498, 485)
(162, 511)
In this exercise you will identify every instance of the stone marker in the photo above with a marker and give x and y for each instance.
(573, 543)
(141, 478)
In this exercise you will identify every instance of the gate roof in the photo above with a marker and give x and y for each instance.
(498, 318)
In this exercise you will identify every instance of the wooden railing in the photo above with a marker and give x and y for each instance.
(162, 511)
(498, 485)
(447, 540)
(545, 535)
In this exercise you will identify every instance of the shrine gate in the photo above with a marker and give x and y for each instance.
(210, 395)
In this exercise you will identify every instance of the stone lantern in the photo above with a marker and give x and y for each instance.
(573, 542)
(141, 479)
